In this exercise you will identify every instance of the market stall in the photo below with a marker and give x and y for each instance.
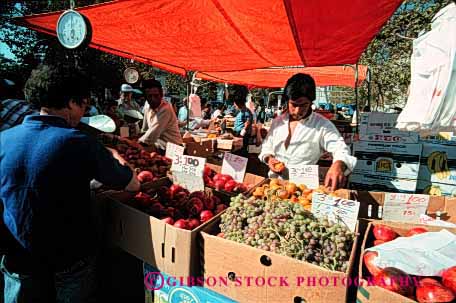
(200, 221)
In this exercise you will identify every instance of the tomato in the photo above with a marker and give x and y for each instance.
(449, 278)
(416, 231)
(368, 259)
(429, 292)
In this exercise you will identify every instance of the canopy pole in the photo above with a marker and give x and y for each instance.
(369, 88)
(356, 99)
(188, 81)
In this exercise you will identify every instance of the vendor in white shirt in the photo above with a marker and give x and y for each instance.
(300, 136)
(160, 122)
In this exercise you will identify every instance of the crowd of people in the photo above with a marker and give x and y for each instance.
(47, 161)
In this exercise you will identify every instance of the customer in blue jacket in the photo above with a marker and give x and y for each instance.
(46, 166)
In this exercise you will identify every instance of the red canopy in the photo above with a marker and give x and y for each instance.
(227, 35)
(277, 77)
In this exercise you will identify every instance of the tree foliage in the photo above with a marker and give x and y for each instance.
(388, 55)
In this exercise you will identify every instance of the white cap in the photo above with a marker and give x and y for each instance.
(126, 88)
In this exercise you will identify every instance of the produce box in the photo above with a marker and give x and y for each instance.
(435, 189)
(438, 163)
(381, 127)
(369, 290)
(163, 288)
(372, 182)
(166, 247)
(204, 148)
(372, 206)
(387, 159)
(273, 277)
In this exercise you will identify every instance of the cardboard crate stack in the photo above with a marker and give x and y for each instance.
(437, 173)
(388, 159)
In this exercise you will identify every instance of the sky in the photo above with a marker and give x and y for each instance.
(4, 49)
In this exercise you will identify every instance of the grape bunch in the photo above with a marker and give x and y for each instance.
(288, 229)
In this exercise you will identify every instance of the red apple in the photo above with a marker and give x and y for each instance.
(385, 233)
(206, 215)
(181, 223)
(368, 259)
(168, 220)
(449, 278)
(219, 184)
(378, 242)
(430, 292)
(395, 280)
(193, 223)
(145, 176)
(416, 231)
(229, 185)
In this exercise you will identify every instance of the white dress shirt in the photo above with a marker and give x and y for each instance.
(312, 136)
(160, 126)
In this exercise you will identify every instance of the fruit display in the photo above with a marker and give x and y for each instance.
(288, 229)
(148, 166)
(223, 182)
(176, 206)
(284, 190)
(421, 289)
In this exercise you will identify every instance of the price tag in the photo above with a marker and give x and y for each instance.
(234, 166)
(304, 174)
(188, 172)
(336, 209)
(173, 149)
(404, 207)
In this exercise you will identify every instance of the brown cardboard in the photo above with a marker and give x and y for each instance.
(223, 258)
(169, 249)
(370, 293)
(370, 202)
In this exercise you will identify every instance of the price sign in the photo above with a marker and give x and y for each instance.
(234, 166)
(336, 209)
(404, 207)
(173, 149)
(188, 172)
(304, 174)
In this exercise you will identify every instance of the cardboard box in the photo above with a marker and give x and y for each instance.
(370, 182)
(248, 179)
(438, 163)
(204, 148)
(371, 204)
(435, 189)
(387, 159)
(368, 292)
(381, 127)
(290, 280)
(166, 288)
(170, 249)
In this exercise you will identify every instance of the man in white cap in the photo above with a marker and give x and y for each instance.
(126, 102)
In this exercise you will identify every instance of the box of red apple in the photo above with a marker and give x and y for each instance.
(161, 224)
(407, 263)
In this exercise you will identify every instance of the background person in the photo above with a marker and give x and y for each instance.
(46, 166)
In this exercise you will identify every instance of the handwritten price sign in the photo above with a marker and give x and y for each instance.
(234, 166)
(336, 209)
(404, 207)
(173, 149)
(304, 174)
(188, 172)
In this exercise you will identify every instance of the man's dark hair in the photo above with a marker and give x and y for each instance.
(151, 83)
(299, 85)
(53, 86)
(240, 95)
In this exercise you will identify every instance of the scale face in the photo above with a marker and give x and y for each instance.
(131, 75)
(73, 29)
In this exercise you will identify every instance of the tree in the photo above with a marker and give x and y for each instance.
(388, 55)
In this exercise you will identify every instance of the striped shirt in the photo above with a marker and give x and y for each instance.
(13, 111)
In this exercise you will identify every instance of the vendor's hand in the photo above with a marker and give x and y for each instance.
(335, 177)
(274, 165)
(117, 156)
